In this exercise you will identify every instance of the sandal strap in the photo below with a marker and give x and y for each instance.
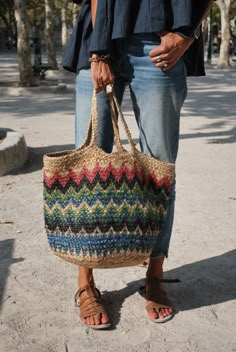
(90, 305)
(91, 287)
(157, 306)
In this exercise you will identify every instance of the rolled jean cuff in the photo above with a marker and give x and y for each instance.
(158, 255)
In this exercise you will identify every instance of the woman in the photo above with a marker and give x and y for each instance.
(145, 45)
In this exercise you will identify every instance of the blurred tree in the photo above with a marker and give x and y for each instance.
(64, 27)
(224, 6)
(23, 46)
(7, 16)
(75, 12)
(49, 33)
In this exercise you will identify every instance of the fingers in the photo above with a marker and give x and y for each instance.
(170, 50)
(101, 75)
(159, 50)
(164, 57)
(166, 62)
(168, 56)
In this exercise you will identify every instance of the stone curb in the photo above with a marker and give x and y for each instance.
(13, 152)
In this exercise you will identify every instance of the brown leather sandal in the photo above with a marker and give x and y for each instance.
(152, 291)
(90, 305)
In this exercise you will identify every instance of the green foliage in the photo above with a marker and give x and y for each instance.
(7, 19)
(36, 13)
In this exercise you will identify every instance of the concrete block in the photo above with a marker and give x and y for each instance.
(13, 152)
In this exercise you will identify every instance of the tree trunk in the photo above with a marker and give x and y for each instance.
(75, 13)
(224, 6)
(64, 29)
(49, 33)
(23, 47)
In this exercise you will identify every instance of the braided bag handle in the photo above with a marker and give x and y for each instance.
(92, 132)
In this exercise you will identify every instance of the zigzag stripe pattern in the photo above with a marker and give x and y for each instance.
(103, 174)
(123, 242)
(90, 219)
(131, 195)
(104, 212)
(59, 183)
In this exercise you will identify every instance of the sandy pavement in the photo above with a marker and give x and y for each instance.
(37, 312)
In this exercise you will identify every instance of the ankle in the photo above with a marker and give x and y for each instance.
(85, 277)
(155, 268)
(152, 274)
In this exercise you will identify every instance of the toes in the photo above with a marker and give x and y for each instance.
(165, 312)
(91, 321)
(97, 319)
(104, 319)
(168, 311)
(162, 313)
(153, 314)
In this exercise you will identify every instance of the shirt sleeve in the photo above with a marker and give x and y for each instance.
(102, 32)
(187, 15)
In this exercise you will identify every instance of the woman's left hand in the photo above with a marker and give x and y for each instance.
(171, 49)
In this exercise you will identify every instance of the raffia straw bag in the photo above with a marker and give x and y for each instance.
(105, 210)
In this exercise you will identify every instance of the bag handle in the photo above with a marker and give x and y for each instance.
(113, 100)
(92, 132)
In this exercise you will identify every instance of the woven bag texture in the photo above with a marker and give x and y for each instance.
(105, 210)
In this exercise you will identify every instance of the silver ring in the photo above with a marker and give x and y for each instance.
(158, 59)
(164, 64)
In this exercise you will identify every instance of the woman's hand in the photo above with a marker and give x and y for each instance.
(171, 49)
(101, 74)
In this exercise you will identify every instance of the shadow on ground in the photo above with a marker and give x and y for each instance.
(37, 105)
(6, 260)
(204, 283)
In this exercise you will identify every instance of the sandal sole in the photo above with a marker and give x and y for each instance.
(97, 327)
(162, 320)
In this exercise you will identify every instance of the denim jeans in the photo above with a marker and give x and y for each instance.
(157, 99)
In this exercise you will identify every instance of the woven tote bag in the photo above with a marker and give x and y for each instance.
(105, 210)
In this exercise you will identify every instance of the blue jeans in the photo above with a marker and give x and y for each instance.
(157, 99)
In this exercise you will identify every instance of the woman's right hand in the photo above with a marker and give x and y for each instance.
(101, 74)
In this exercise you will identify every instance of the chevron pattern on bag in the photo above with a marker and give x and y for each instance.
(116, 210)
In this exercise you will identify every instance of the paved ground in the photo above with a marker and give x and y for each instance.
(36, 289)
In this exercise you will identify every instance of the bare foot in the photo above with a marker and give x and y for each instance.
(158, 305)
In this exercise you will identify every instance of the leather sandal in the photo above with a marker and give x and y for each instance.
(90, 305)
(152, 291)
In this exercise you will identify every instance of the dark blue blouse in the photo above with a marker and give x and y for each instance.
(119, 18)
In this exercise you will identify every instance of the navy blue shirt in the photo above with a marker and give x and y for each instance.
(119, 18)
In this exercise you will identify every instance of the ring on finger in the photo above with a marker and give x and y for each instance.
(164, 64)
(158, 59)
